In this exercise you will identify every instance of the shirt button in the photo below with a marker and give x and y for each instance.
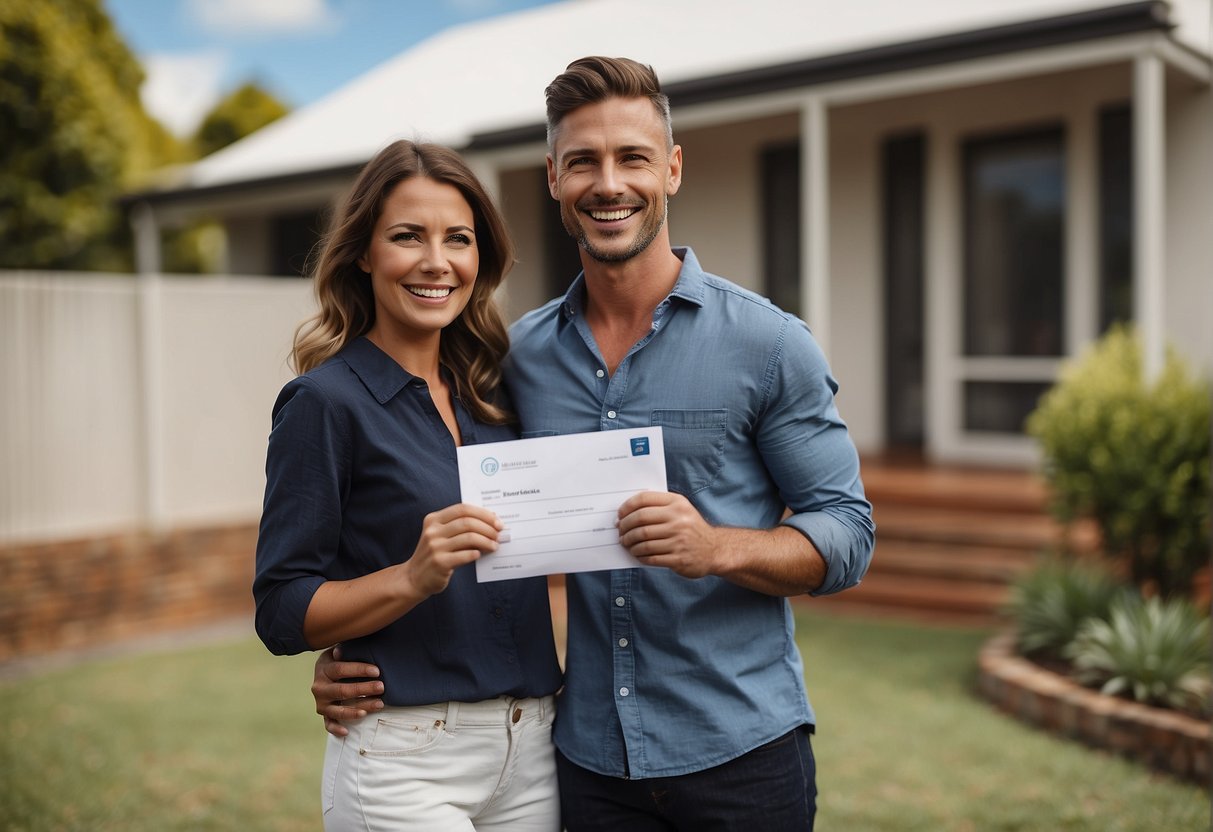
(624, 691)
(619, 602)
(611, 414)
(623, 642)
(600, 374)
(497, 611)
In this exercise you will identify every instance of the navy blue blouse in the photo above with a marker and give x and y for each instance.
(358, 455)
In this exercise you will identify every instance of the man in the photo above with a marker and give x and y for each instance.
(684, 704)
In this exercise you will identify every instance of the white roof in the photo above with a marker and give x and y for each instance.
(491, 74)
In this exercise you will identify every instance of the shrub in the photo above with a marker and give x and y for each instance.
(1134, 456)
(1154, 651)
(1050, 603)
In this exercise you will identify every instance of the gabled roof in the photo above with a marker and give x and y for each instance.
(484, 81)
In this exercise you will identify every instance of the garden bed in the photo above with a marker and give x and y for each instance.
(1166, 740)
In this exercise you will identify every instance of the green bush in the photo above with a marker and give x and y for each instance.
(1134, 456)
(1051, 602)
(1155, 651)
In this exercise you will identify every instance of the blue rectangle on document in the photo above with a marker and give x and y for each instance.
(640, 446)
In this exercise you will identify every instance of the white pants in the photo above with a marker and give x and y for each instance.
(456, 766)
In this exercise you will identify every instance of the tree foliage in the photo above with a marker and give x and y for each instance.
(73, 135)
(245, 110)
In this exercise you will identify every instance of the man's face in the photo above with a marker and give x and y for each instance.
(611, 171)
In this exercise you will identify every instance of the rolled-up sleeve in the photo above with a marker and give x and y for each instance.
(307, 468)
(809, 453)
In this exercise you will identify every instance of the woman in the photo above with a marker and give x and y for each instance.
(363, 539)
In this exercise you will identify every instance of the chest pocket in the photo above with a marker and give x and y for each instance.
(694, 446)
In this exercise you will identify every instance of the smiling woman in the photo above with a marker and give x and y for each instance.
(363, 538)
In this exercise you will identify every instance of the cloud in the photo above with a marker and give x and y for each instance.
(261, 16)
(181, 88)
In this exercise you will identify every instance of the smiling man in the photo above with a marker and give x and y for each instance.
(684, 706)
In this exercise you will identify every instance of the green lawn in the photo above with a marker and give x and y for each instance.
(223, 738)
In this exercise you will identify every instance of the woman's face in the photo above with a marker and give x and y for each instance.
(422, 259)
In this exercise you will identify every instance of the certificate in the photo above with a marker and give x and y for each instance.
(559, 498)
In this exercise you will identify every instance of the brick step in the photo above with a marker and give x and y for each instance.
(918, 593)
(957, 563)
(974, 528)
(1014, 492)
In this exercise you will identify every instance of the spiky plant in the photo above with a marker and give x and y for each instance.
(1153, 651)
(1050, 603)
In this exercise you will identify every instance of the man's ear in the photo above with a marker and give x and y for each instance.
(675, 178)
(553, 188)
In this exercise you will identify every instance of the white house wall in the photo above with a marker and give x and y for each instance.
(524, 203)
(1189, 223)
(718, 209)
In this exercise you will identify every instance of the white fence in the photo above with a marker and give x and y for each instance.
(137, 402)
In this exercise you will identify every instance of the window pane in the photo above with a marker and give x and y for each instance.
(781, 225)
(1115, 216)
(1001, 406)
(1014, 209)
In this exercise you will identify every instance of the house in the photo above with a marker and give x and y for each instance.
(957, 195)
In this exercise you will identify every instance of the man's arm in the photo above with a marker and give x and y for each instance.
(664, 529)
(340, 700)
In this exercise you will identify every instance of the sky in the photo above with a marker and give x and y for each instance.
(196, 51)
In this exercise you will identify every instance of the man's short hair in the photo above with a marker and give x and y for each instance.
(595, 78)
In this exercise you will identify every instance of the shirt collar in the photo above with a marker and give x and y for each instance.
(377, 370)
(688, 287)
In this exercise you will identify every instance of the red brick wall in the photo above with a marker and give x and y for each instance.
(79, 593)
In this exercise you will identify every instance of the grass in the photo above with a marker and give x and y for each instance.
(223, 737)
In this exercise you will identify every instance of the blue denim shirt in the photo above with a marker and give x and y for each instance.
(666, 675)
(357, 457)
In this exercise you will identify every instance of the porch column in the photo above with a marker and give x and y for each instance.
(814, 196)
(147, 239)
(1149, 171)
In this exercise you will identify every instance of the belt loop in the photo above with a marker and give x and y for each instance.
(452, 715)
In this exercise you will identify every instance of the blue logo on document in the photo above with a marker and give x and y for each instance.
(489, 466)
(640, 446)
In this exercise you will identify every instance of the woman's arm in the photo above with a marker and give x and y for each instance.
(450, 538)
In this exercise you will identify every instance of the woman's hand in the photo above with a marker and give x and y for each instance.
(450, 538)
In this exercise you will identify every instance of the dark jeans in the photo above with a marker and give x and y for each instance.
(770, 789)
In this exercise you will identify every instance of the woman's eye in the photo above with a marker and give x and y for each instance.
(401, 236)
(460, 239)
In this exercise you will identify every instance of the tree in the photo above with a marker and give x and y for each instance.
(73, 135)
(247, 109)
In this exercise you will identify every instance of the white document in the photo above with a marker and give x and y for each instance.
(559, 498)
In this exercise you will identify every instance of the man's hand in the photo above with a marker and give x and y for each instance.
(664, 529)
(338, 700)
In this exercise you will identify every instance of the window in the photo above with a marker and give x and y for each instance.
(781, 226)
(1115, 215)
(1014, 231)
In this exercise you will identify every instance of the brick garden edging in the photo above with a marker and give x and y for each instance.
(1166, 740)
